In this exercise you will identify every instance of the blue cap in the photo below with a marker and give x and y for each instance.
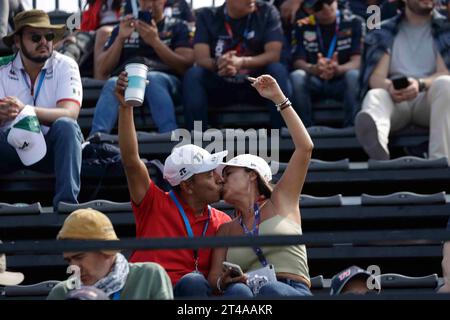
(342, 278)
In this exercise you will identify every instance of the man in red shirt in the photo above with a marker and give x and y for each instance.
(184, 211)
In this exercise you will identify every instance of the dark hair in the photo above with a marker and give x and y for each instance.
(264, 187)
(177, 189)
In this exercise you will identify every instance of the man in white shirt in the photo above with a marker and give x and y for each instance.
(50, 83)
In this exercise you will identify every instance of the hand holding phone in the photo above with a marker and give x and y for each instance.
(400, 83)
(235, 270)
(145, 16)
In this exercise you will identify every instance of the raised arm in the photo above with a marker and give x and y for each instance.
(135, 170)
(286, 193)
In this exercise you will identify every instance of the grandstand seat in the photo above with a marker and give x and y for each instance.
(41, 289)
(400, 198)
(58, 16)
(393, 280)
(311, 201)
(20, 208)
(407, 163)
(317, 283)
(104, 206)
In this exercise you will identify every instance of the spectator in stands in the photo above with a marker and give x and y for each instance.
(108, 270)
(190, 171)
(179, 9)
(164, 45)
(8, 9)
(97, 22)
(263, 210)
(353, 280)
(446, 265)
(238, 39)
(327, 55)
(414, 44)
(46, 86)
(8, 278)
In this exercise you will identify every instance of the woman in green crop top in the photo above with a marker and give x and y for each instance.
(263, 210)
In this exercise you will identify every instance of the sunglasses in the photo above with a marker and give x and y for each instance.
(318, 6)
(37, 37)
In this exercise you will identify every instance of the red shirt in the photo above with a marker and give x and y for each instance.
(158, 217)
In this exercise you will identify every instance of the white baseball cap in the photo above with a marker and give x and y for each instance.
(249, 161)
(8, 278)
(26, 137)
(188, 160)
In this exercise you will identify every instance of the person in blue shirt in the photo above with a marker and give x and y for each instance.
(164, 45)
(327, 55)
(233, 41)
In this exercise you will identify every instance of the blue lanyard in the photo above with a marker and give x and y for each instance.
(39, 85)
(255, 232)
(116, 295)
(333, 43)
(188, 225)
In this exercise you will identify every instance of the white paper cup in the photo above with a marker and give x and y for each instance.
(137, 77)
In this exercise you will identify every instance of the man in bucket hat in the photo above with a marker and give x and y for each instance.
(107, 270)
(182, 212)
(44, 86)
(8, 278)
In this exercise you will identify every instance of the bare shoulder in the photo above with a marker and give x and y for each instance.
(226, 228)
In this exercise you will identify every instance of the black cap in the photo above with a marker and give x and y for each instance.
(342, 278)
(87, 293)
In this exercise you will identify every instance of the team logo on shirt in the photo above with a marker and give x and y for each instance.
(13, 75)
(310, 36)
(345, 33)
(76, 91)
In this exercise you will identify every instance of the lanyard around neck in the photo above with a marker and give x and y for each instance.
(333, 43)
(254, 232)
(116, 295)
(239, 41)
(39, 85)
(188, 225)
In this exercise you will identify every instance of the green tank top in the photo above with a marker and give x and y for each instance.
(290, 259)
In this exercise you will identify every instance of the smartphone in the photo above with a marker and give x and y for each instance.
(400, 83)
(236, 270)
(145, 16)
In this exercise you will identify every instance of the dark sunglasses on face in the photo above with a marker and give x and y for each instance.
(37, 37)
(318, 6)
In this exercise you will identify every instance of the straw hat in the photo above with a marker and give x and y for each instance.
(35, 19)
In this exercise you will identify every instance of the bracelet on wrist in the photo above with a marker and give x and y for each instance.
(287, 105)
(283, 105)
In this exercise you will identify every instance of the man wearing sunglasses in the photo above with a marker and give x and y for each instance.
(327, 54)
(46, 84)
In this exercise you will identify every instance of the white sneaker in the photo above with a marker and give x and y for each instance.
(367, 134)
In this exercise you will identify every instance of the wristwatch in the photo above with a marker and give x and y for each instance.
(422, 86)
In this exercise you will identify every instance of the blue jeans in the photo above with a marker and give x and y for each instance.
(199, 84)
(159, 97)
(280, 288)
(192, 285)
(306, 87)
(63, 158)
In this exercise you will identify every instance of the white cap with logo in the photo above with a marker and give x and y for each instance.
(8, 278)
(249, 161)
(187, 160)
(26, 137)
